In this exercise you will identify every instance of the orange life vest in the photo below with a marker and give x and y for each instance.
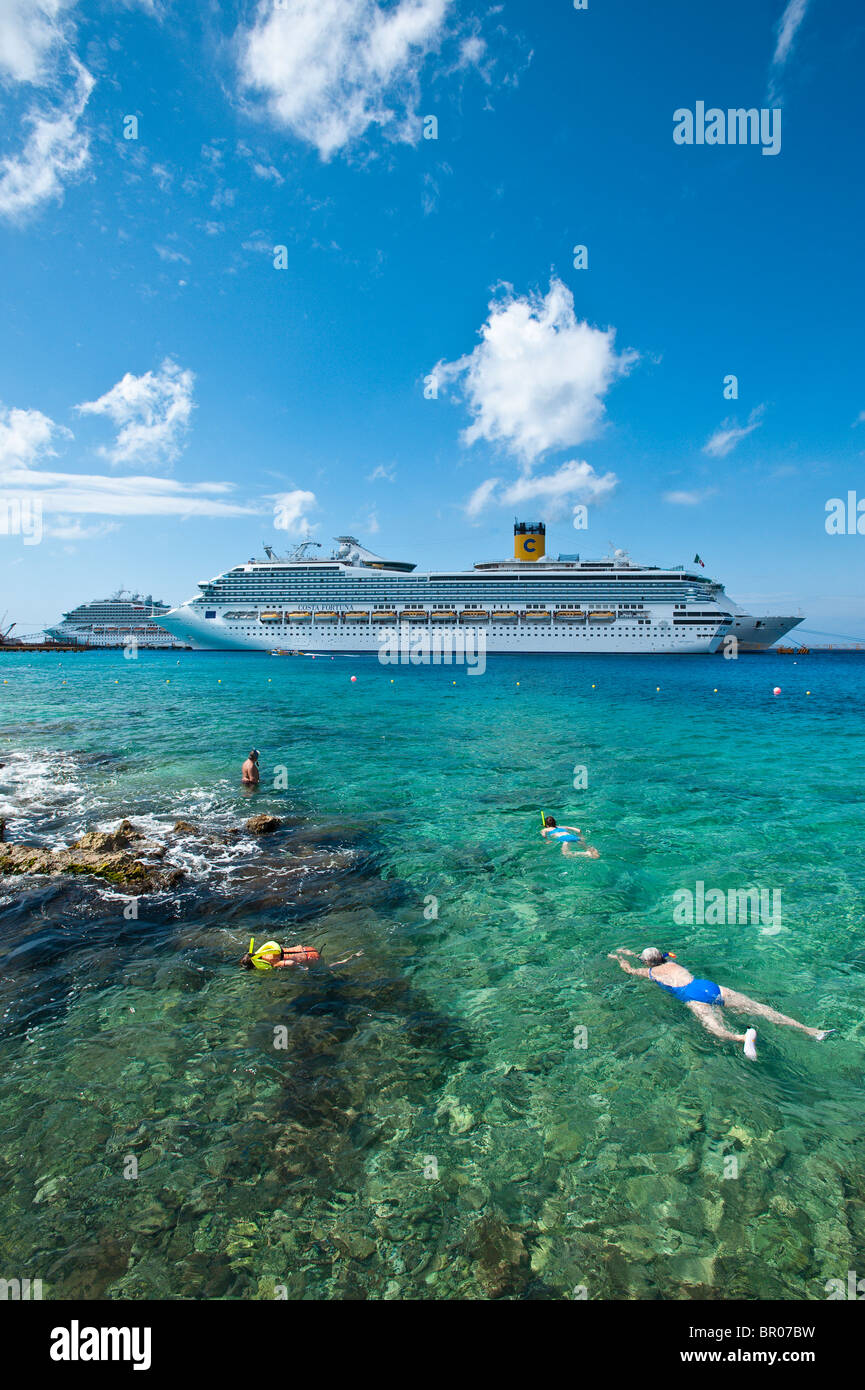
(301, 955)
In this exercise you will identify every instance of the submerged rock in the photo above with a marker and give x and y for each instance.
(184, 827)
(263, 824)
(500, 1259)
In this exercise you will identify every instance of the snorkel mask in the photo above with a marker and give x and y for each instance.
(257, 960)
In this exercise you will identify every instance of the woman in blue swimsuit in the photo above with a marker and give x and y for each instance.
(703, 997)
(567, 835)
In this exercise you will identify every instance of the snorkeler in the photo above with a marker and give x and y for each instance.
(249, 771)
(703, 997)
(568, 835)
(272, 956)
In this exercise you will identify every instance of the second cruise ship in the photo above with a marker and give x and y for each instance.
(115, 622)
(356, 601)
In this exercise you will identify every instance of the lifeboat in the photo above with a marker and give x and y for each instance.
(414, 615)
(326, 615)
(384, 615)
(570, 615)
(537, 615)
(299, 615)
(504, 615)
(602, 615)
(474, 615)
(270, 617)
(444, 615)
(358, 616)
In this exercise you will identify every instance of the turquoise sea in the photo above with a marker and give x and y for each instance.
(429, 1129)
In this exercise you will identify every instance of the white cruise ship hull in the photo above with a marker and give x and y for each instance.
(661, 637)
(758, 634)
(120, 637)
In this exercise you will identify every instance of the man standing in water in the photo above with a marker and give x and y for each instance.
(249, 771)
(704, 997)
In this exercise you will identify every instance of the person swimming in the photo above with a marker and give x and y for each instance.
(703, 997)
(249, 772)
(567, 835)
(272, 956)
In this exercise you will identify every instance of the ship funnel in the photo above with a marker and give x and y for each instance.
(529, 540)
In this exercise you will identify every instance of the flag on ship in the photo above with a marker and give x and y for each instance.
(698, 561)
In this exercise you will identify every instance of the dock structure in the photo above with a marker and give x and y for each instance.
(40, 647)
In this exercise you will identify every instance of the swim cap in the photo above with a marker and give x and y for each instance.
(652, 956)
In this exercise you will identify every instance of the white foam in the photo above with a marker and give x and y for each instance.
(49, 796)
(39, 784)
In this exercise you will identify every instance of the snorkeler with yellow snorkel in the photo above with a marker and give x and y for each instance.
(272, 956)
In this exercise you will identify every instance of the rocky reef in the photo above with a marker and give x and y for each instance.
(122, 857)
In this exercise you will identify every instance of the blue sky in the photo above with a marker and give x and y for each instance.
(429, 362)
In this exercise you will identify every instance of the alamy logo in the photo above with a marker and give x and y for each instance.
(77, 1343)
(18, 1289)
(736, 907)
(446, 647)
(836, 1288)
(21, 516)
(845, 518)
(739, 126)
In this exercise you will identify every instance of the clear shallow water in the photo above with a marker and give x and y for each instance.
(448, 1046)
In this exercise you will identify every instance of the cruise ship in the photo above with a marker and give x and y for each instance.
(357, 601)
(758, 634)
(115, 622)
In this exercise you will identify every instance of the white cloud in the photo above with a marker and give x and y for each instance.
(96, 494)
(729, 434)
(27, 435)
(151, 412)
(482, 496)
(472, 50)
(387, 474)
(65, 529)
(328, 69)
(163, 175)
(27, 438)
(289, 511)
(788, 27)
(32, 36)
(785, 36)
(166, 253)
(538, 377)
(574, 481)
(689, 499)
(267, 171)
(55, 151)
